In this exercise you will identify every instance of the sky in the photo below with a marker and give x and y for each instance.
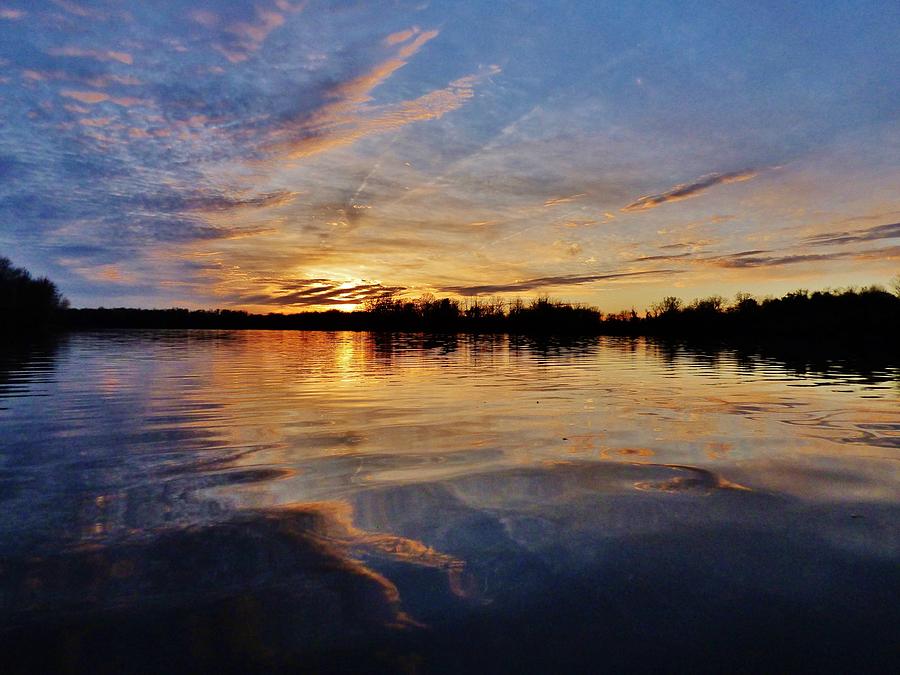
(279, 155)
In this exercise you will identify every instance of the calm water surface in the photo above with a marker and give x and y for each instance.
(325, 501)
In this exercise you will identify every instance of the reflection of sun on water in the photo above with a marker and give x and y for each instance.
(345, 357)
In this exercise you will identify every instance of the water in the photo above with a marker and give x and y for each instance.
(325, 501)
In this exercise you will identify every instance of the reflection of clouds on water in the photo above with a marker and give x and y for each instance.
(185, 426)
(527, 566)
(697, 561)
(601, 500)
(441, 496)
(265, 589)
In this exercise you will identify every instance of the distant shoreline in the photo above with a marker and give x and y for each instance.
(851, 322)
(863, 316)
(808, 329)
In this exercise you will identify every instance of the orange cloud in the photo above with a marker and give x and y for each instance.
(401, 36)
(93, 97)
(358, 90)
(688, 190)
(99, 55)
(85, 96)
(349, 118)
(344, 131)
(111, 273)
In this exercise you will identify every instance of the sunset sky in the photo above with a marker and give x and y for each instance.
(281, 155)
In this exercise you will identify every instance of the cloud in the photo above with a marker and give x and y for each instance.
(767, 258)
(92, 97)
(327, 132)
(401, 36)
(245, 37)
(686, 244)
(74, 8)
(544, 282)
(563, 200)
(204, 17)
(85, 96)
(97, 54)
(224, 202)
(676, 256)
(749, 259)
(359, 87)
(239, 39)
(242, 232)
(171, 175)
(688, 190)
(886, 231)
(95, 81)
(349, 116)
(568, 248)
(11, 14)
(110, 273)
(290, 292)
(95, 122)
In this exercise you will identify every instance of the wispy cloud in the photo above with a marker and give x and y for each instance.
(348, 116)
(97, 54)
(244, 38)
(886, 231)
(93, 97)
(699, 243)
(317, 292)
(563, 200)
(231, 202)
(688, 190)
(766, 258)
(96, 81)
(676, 256)
(114, 274)
(74, 8)
(547, 282)
(747, 259)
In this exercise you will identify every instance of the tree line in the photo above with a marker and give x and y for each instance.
(870, 315)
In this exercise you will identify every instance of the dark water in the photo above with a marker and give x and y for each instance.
(347, 502)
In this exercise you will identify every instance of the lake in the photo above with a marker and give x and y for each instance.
(312, 501)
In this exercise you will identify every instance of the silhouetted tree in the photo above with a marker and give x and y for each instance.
(667, 306)
(744, 303)
(27, 304)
